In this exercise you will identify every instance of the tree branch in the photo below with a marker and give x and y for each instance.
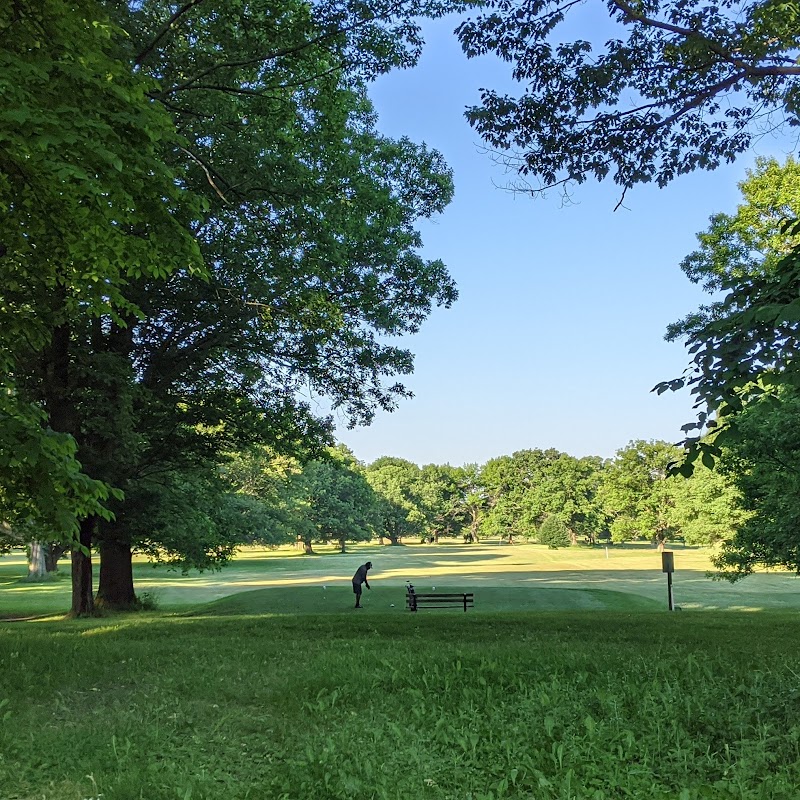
(714, 47)
(280, 53)
(165, 30)
(197, 160)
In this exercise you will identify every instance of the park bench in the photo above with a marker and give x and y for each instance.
(417, 600)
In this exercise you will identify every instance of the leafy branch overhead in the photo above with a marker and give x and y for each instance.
(748, 348)
(744, 344)
(676, 86)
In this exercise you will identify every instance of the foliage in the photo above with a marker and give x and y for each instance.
(87, 199)
(636, 491)
(473, 500)
(191, 519)
(553, 532)
(308, 234)
(572, 727)
(743, 345)
(507, 487)
(762, 459)
(332, 501)
(86, 204)
(744, 374)
(439, 493)
(676, 86)
(260, 478)
(394, 481)
(745, 349)
(312, 232)
(707, 507)
(532, 484)
(41, 480)
(750, 241)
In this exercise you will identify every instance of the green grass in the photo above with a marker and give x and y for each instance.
(391, 600)
(484, 569)
(433, 706)
(567, 681)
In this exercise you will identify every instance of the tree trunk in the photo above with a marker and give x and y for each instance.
(37, 568)
(52, 554)
(59, 402)
(82, 598)
(116, 576)
(342, 546)
(307, 547)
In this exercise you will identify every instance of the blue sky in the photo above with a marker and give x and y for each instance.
(557, 337)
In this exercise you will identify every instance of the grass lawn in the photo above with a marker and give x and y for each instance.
(567, 681)
(436, 706)
(619, 578)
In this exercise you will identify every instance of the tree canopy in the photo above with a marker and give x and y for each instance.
(761, 460)
(86, 203)
(232, 234)
(667, 87)
(746, 343)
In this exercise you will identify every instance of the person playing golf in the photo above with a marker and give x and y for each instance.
(359, 578)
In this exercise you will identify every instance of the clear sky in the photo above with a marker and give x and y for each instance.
(557, 337)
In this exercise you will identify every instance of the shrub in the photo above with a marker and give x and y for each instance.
(553, 532)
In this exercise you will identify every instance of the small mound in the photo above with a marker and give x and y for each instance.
(391, 600)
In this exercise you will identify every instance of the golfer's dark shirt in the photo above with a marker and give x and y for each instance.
(361, 575)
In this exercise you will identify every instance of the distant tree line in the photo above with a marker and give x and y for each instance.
(258, 496)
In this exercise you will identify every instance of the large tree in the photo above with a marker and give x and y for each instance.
(667, 87)
(88, 203)
(394, 481)
(744, 374)
(745, 343)
(507, 486)
(308, 233)
(439, 494)
(333, 502)
(636, 492)
(530, 485)
(707, 506)
(747, 243)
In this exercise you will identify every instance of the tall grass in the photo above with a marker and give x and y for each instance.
(552, 706)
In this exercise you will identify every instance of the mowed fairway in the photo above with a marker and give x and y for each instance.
(503, 577)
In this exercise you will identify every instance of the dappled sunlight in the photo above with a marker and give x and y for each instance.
(38, 587)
